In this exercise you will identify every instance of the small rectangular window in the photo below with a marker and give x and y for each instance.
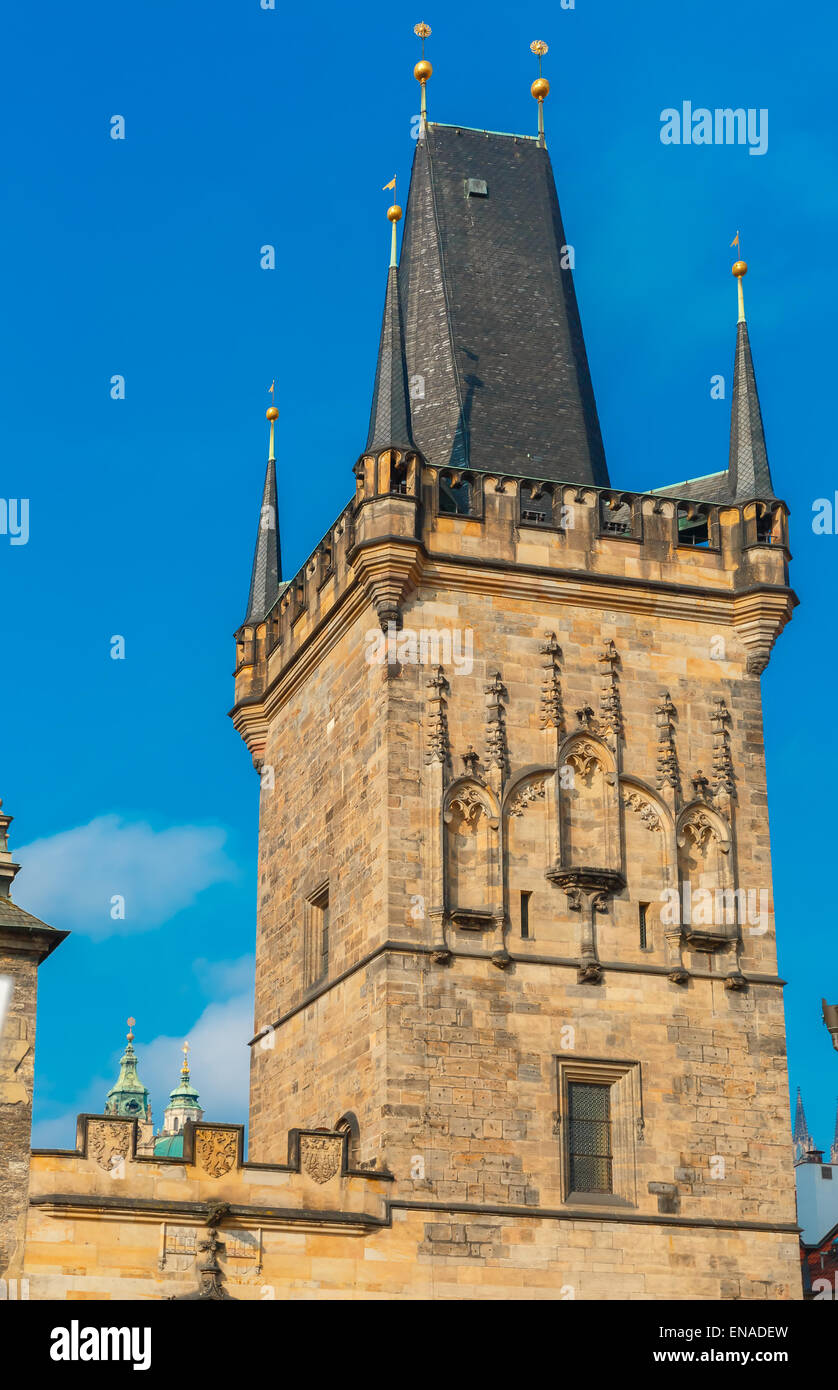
(317, 936)
(642, 909)
(525, 915)
(589, 1115)
(826, 1173)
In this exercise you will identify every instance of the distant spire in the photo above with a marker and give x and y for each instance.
(833, 1153)
(390, 413)
(267, 562)
(748, 471)
(802, 1138)
(128, 1096)
(540, 87)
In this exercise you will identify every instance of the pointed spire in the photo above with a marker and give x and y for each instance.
(267, 563)
(390, 413)
(833, 1153)
(748, 471)
(801, 1129)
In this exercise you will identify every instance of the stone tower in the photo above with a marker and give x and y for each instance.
(24, 943)
(515, 926)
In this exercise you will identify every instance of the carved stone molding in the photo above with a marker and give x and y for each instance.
(438, 744)
(668, 773)
(552, 712)
(642, 807)
(533, 789)
(724, 785)
(610, 709)
(495, 723)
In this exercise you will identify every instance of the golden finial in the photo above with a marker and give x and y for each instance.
(184, 1071)
(131, 1022)
(540, 87)
(740, 270)
(423, 70)
(272, 414)
(394, 213)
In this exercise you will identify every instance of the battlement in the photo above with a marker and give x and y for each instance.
(410, 524)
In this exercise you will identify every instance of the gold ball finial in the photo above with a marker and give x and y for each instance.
(423, 71)
(271, 413)
(394, 213)
(540, 88)
(739, 269)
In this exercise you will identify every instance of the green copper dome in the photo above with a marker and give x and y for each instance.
(184, 1097)
(128, 1096)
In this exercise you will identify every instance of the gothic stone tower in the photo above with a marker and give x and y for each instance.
(515, 926)
(25, 942)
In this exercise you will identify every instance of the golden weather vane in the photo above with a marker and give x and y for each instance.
(423, 70)
(540, 87)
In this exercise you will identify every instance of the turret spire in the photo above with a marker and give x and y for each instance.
(267, 563)
(801, 1135)
(749, 475)
(390, 414)
(833, 1153)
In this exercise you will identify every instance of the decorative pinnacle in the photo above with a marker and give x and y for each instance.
(739, 269)
(272, 414)
(130, 1034)
(423, 70)
(184, 1071)
(540, 87)
(394, 214)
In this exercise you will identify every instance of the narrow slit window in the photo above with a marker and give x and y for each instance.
(589, 1117)
(525, 915)
(642, 910)
(319, 935)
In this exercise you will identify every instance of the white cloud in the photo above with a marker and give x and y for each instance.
(71, 878)
(219, 1059)
(220, 978)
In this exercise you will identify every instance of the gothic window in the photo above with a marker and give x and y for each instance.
(588, 836)
(589, 1136)
(600, 1124)
(529, 850)
(471, 847)
(647, 837)
(316, 945)
(705, 871)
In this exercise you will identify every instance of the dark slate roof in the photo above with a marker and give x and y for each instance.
(390, 413)
(750, 475)
(267, 564)
(15, 919)
(490, 316)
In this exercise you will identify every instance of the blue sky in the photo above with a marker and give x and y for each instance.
(141, 258)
